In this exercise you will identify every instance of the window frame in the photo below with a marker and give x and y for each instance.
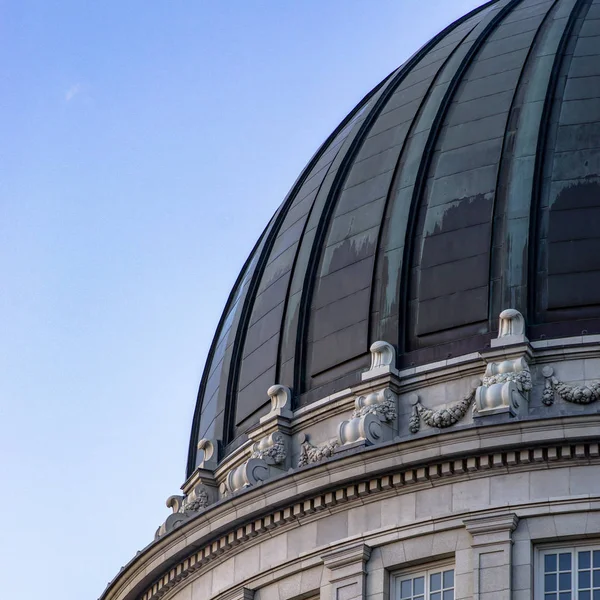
(544, 549)
(424, 570)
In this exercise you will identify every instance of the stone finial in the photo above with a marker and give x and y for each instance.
(175, 503)
(281, 403)
(209, 458)
(383, 360)
(511, 328)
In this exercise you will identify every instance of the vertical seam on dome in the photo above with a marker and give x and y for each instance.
(284, 312)
(491, 317)
(425, 163)
(393, 184)
(538, 172)
(323, 225)
(240, 336)
(191, 462)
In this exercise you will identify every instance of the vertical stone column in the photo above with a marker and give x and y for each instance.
(492, 555)
(347, 573)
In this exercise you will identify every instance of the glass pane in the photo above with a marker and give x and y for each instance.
(419, 598)
(550, 583)
(406, 588)
(564, 596)
(549, 563)
(564, 561)
(596, 578)
(596, 558)
(584, 559)
(584, 580)
(449, 579)
(564, 581)
(436, 596)
(596, 595)
(449, 595)
(585, 595)
(549, 596)
(435, 582)
(419, 585)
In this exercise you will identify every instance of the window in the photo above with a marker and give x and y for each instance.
(434, 584)
(570, 574)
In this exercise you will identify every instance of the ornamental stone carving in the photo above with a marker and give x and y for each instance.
(281, 403)
(441, 418)
(272, 449)
(370, 421)
(511, 329)
(269, 452)
(247, 474)
(382, 403)
(199, 498)
(185, 507)
(505, 387)
(199, 503)
(267, 458)
(576, 394)
(365, 430)
(506, 383)
(208, 454)
(310, 453)
(383, 360)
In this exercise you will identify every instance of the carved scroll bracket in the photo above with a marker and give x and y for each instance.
(269, 455)
(506, 383)
(371, 421)
(186, 507)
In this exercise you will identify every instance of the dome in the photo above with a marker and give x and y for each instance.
(465, 183)
(403, 389)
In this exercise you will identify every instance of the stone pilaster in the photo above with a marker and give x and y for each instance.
(347, 573)
(492, 555)
(239, 593)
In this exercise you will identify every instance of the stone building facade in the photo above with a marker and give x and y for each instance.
(401, 399)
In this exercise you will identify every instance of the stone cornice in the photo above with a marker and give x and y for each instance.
(414, 379)
(389, 468)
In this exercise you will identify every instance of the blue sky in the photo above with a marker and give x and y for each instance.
(143, 147)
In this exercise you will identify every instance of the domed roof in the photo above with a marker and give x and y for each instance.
(465, 183)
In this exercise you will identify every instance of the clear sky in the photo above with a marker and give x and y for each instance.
(143, 147)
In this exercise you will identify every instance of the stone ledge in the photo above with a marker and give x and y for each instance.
(554, 455)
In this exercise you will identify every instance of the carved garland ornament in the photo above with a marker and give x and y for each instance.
(441, 418)
(575, 394)
(309, 453)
